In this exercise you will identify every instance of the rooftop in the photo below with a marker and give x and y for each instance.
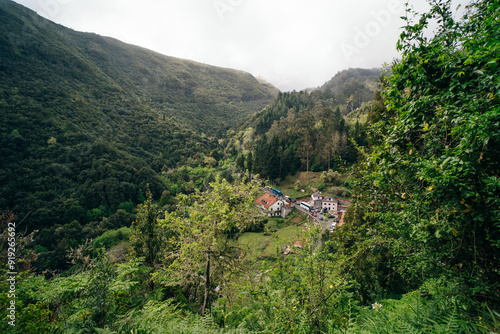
(266, 200)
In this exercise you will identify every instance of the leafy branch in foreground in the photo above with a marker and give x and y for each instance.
(205, 225)
(430, 184)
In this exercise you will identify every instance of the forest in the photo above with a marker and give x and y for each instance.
(312, 131)
(87, 123)
(144, 228)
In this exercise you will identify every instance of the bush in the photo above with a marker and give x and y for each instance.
(112, 237)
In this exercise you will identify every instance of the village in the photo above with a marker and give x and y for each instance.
(325, 211)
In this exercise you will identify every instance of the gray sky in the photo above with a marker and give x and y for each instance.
(293, 44)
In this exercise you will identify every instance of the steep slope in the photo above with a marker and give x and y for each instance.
(203, 97)
(309, 129)
(87, 121)
(350, 90)
(352, 87)
(190, 92)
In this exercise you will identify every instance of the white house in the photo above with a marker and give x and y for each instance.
(270, 205)
(317, 199)
(330, 203)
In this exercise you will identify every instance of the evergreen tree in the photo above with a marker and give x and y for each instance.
(240, 162)
(148, 237)
(249, 165)
(305, 137)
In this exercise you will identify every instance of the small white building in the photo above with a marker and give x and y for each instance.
(330, 203)
(317, 199)
(270, 205)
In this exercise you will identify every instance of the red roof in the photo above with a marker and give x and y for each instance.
(266, 201)
(341, 220)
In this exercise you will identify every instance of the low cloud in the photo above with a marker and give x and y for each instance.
(292, 44)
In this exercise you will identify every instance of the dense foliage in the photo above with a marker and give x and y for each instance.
(418, 251)
(87, 122)
(352, 87)
(429, 188)
(298, 131)
(349, 90)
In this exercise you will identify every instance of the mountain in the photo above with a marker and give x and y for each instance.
(350, 90)
(352, 87)
(202, 97)
(310, 129)
(88, 121)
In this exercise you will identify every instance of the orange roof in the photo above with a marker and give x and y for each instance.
(266, 201)
(341, 220)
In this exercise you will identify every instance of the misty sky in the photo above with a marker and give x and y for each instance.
(294, 44)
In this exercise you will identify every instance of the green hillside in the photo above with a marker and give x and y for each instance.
(88, 121)
(352, 87)
(298, 131)
(349, 90)
(310, 130)
(418, 250)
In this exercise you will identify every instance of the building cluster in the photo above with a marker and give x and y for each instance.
(328, 203)
(274, 205)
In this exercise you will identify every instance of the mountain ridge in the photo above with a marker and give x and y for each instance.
(166, 81)
(90, 122)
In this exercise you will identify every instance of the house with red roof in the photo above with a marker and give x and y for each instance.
(270, 205)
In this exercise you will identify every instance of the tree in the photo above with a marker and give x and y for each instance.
(100, 300)
(305, 140)
(249, 163)
(240, 162)
(148, 236)
(206, 249)
(430, 185)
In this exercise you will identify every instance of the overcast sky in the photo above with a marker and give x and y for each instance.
(294, 44)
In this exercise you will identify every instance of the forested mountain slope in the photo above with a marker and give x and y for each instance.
(347, 90)
(312, 129)
(418, 250)
(87, 121)
(352, 87)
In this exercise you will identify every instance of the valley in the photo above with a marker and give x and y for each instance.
(143, 193)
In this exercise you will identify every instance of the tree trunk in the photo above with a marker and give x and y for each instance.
(329, 158)
(207, 286)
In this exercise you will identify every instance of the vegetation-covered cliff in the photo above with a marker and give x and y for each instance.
(87, 121)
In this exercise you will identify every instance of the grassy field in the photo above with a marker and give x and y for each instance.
(279, 232)
(310, 182)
